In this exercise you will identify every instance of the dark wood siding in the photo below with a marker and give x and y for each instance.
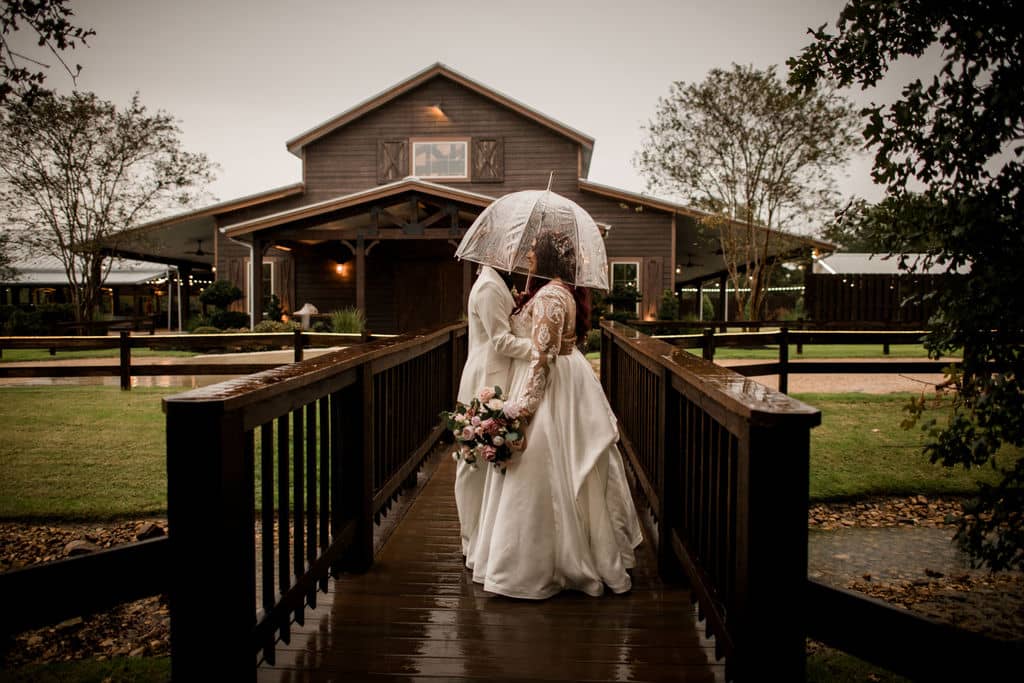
(646, 234)
(346, 160)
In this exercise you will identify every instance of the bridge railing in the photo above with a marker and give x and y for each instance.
(723, 464)
(317, 449)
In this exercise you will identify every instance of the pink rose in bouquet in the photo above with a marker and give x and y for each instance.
(486, 428)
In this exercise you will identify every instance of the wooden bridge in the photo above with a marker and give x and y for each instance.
(323, 449)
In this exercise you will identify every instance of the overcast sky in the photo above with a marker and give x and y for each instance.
(244, 76)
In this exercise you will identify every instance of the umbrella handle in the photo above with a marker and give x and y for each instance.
(550, 178)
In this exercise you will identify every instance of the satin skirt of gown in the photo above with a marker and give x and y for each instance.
(561, 517)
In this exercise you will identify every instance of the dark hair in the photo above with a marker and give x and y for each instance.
(550, 263)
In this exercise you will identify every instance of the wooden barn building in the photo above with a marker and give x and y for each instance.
(388, 189)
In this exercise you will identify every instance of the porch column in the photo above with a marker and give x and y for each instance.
(361, 274)
(723, 301)
(185, 273)
(256, 281)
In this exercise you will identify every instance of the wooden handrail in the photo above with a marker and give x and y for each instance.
(334, 439)
(724, 464)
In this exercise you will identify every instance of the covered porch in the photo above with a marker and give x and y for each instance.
(388, 251)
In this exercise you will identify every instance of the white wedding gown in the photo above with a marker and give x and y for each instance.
(562, 516)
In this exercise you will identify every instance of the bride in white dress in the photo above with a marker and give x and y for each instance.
(562, 516)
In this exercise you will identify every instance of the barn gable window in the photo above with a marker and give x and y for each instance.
(448, 159)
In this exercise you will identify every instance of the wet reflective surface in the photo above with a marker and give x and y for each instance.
(895, 553)
(417, 616)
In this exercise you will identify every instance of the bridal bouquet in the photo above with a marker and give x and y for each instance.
(486, 429)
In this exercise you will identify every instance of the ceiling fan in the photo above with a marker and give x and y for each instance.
(690, 262)
(199, 249)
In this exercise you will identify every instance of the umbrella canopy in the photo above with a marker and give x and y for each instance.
(503, 234)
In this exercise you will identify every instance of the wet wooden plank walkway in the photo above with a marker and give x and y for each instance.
(417, 616)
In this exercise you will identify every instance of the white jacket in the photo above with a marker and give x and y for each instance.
(492, 346)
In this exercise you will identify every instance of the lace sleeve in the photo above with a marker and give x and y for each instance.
(548, 318)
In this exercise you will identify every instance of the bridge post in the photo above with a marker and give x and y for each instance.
(772, 552)
(212, 580)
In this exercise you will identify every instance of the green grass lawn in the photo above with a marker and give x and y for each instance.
(82, 451)
(96, 452)
(37, 355)
(117, 670)
(860, 450)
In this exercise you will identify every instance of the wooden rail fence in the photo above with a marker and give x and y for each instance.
(125, 342)
(785, 339)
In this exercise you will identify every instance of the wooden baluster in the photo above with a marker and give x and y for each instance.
(298, 501)
(327, 474)
(267, 525)
(311, 485)
(283, 517)
(341, 405)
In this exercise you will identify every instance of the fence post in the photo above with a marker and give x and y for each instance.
(784, 360)
(297, 345)
(126, 361)
(210, 501)
(709, 344)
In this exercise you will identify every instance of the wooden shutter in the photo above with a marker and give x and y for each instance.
(238, 274)
(392, 160)
(652, 286)
(488, 160)
(286, 283)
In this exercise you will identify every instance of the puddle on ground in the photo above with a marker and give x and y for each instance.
(894, 553)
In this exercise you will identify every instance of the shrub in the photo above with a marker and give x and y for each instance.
(668, 307)
(197, 321)
(221, 294)
(321, 326)
(226, 320)
(273, 311)
(348, 320)
(593, 342)
(206, 329)
(275, 326)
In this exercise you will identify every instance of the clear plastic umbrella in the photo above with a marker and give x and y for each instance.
(503, 234)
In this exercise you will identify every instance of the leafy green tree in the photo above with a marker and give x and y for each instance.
(958, 135)
(867, 228)
(51, 22)
(756, 155)
(75, 171)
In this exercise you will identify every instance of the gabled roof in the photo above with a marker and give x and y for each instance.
(408, 184)
(296, 144)
(225, 206)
